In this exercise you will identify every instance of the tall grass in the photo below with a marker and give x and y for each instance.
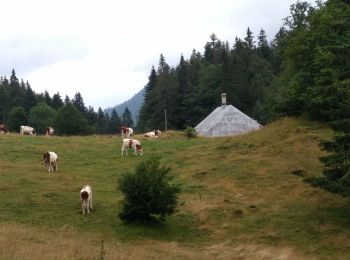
(240, 198)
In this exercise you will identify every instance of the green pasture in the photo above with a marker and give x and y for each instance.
(246, 189)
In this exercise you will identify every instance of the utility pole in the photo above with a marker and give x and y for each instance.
(165, 120)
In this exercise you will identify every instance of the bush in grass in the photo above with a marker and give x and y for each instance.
(190, 132)
(148, 192)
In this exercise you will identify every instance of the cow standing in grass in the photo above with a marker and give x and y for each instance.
(50, 161)
(26, 130)
(132, 143)
(127, 131)
(86, 199)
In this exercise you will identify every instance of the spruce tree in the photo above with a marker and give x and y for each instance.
(78, 102)
(144, 122)
(16, 93)
(91, 116)
(114, 123)
(48, 99)
(127, 118)
(30, 98)
(101, 122)
(57, 101)
(336, 173)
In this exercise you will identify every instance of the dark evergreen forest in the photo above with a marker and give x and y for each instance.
(304, 70)
(20, 105)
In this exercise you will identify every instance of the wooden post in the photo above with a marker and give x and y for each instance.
(165, 120)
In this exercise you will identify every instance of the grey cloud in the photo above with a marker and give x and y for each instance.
(30, 52)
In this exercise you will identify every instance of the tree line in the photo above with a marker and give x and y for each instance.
(303, 71)
(20, 105)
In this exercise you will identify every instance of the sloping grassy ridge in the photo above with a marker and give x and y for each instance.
(242, 198)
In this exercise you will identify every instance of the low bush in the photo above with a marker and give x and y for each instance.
(148, 192)
(190, 132)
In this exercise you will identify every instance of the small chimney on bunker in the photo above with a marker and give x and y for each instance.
(223, 99)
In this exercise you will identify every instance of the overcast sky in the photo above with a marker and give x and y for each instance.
(105, 49)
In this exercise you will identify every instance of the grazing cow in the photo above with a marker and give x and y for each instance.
(154, 133)
(131, 143)
(127, 131)
(3, 128)
(49, 131)
(27, 130)
(50, 161)
(86, 199)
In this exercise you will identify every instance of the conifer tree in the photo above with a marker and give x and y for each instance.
(127, 118)
(16, 93)
(144, 122)
(336, 173)
(78, 102)
(30, 97)
(264, 49)
(48, 99)
(4, 100)
(66, 100)
(249, 39)
(91, 116)
(102, 122)
(57, 101)
(114, 123)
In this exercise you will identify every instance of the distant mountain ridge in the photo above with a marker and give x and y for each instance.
(134, 104)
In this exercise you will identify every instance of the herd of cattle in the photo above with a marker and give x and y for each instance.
(50, 159)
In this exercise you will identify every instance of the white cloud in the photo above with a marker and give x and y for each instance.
(105, 49)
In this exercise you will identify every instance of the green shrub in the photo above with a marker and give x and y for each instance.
(190, 132)
(148, 192)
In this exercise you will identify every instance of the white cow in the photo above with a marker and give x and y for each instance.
(50, 161)
(26, 130)
(86, 199)
(131, 143)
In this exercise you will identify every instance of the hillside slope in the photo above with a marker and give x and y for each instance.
(242, 198)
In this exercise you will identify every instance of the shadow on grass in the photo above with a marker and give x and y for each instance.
(179, 227)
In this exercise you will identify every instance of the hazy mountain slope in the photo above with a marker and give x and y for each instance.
(134, 104)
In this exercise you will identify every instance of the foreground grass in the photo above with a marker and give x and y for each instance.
(239, 198)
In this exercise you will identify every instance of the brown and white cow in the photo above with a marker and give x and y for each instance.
(26, 130)
(131, 143)
(86, 199)
(127, 131)
(49, 131)
(154, 133)
(3, 129)
(50, 160)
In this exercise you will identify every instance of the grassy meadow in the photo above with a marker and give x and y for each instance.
(242, 198)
